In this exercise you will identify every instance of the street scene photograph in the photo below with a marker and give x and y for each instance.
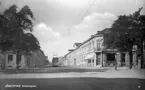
(72, 44)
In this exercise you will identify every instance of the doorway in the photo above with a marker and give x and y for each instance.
(98, 56)
(110, 59)
(123, 60)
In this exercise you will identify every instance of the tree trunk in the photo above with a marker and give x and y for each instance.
(18, 59)
(116, 57)
(142, 53)
(130, 61)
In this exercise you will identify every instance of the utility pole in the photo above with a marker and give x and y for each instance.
(68, 32)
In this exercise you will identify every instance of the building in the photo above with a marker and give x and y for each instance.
(61, 60)
(35, 59)
(92, 52)
(8, 60)
(66, 59)
(86, 53)
(76, 45)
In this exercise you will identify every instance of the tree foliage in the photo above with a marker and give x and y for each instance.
(13, 24)
(126, 31)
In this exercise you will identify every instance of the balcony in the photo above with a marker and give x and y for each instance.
(97, 49)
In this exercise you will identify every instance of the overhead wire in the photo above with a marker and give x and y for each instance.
(84, 13)
(88, 10)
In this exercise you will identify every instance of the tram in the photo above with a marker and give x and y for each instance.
(55, 62)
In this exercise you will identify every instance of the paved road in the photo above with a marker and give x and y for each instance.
(72, 84)
(54, 70)
(71, 78)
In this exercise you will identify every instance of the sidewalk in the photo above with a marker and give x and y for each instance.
(126, 73)
(24, 69)
(108, 68)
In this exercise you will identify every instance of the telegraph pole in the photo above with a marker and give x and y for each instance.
(68, 32)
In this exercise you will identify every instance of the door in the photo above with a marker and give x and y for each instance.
(97, 59)
(10, 60)
(19, 60)
(123, 60)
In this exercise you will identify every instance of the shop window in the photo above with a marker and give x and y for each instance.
(110, 57)
(89, 61)
(93, 61)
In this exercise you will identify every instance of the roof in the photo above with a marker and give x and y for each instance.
(92, 36)
(106, 30)
(98, 34)
(77, 44)
(71, 50)
(67, 54)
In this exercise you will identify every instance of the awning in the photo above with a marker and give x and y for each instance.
(89, 56)
(82, 63)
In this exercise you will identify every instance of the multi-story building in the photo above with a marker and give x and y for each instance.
(92, 52)
(86, 53)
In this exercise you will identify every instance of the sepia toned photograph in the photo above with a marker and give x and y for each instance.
(72, 44)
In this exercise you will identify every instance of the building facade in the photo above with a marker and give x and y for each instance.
(8, 60)
(92, 52)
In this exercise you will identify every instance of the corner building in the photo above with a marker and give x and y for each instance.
(92, 53)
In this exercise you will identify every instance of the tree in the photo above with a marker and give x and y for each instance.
(13, 27)
(138, 27)
(29, 43)
(125, 32)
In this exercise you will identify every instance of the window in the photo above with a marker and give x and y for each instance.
(93, 61)
(110, 57)
(98, 44)
(10, 58)
(89, 61)
(95, 43)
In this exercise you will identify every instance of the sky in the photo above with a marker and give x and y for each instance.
(61, 23)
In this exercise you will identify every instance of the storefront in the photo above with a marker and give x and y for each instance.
(89, 59)
(110, 59)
